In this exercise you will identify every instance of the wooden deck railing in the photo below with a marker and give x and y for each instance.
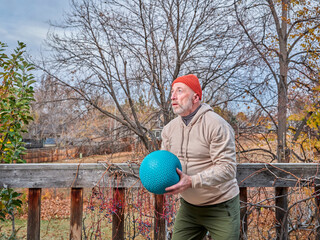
(87, 175)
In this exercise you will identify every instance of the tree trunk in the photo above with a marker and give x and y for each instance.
(282, 153)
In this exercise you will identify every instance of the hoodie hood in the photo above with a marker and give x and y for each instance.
(206, 150)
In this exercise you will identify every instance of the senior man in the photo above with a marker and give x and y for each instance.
(205, 145)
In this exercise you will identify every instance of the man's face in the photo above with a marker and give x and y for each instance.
(182, 99)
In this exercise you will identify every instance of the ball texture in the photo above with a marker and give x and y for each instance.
(158, 171)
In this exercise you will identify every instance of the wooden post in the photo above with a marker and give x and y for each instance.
(159, 221)
(118, 215)
(34, 206)
(243, 213)
(317, 201)
(76, 214)
(281, 212)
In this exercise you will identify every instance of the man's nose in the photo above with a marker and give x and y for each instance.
(173, 96)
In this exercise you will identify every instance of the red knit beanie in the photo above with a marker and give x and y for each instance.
(192, 82)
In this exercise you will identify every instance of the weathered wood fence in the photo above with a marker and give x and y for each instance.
(87, 175)
(51, 154)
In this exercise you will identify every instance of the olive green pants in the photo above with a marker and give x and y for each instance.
(221, 220)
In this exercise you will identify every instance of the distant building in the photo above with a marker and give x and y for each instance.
(33, 143)
(157, 133)
(49, 142)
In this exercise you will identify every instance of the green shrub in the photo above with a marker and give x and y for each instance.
(16, 95)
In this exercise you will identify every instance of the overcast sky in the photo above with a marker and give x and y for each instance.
(28, 21)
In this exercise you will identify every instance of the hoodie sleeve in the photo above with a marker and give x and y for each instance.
(223, 157)
(165, 139)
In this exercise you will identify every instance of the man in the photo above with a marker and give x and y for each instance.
(204, 143)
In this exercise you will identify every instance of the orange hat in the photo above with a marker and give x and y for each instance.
(192, 82)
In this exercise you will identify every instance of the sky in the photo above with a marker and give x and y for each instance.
(28, 21)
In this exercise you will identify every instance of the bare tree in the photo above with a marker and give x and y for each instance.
(56, 108)
(60, 114)
(277, 30)
(131, 50)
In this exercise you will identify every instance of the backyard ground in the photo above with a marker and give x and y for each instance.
(55, 205)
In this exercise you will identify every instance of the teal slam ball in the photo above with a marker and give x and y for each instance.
(158, 171)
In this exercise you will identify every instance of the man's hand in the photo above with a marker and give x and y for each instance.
(183, 184)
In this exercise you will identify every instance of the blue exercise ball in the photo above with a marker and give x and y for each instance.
(158, 171)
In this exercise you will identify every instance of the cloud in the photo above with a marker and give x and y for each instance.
(31, 33)
(27, 21)
(27, 31)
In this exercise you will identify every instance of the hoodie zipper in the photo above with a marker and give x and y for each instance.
(188, 129)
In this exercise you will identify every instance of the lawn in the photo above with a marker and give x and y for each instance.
(50, 229)
(55, 229)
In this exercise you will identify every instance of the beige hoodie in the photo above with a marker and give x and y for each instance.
(206, 149)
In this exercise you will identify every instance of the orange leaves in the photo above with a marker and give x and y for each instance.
(287, 20)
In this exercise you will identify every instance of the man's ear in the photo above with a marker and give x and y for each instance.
(196, 98)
